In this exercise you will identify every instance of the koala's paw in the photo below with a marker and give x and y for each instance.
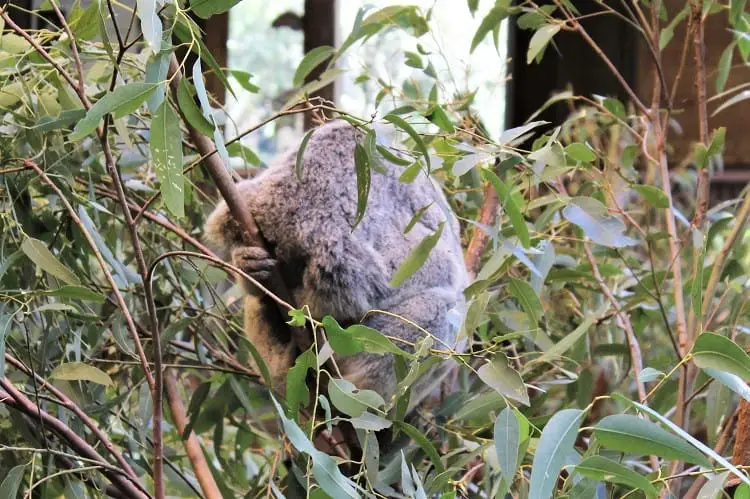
(254, 261)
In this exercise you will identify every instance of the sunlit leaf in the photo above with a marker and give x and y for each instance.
(208, 8)
(312, 60)
(539, 40)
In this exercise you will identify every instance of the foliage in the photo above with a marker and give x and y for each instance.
(607, 328)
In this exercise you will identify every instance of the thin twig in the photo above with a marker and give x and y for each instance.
(103, 265)
(66, 402)
(11, 396)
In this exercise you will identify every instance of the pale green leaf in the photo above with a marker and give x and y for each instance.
(78, 371)
(555, 445)
(38, 253)
(166, 153)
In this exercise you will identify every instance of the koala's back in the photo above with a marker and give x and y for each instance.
(308, 223)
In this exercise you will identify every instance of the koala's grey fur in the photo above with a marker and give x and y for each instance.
(341, 272)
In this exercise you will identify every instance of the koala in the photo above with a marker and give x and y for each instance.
(334, 270)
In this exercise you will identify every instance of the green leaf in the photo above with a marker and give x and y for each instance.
(189, 33)
(715, 351)
(243, 78)
(78, 371)
(603, 469)
(190, 109)
(49, 123)
(596, 222)
(650, 374)
(416, 258)
(507, 443)
(296, 383)
(312, 60)
(696, 443)
(525, 295)
(731, 381)
(552, 451)
(406, 127)
(572, 338)
(633, 435)
(121, 101)
(615, 107)
(441, 119)
(6, 320)
(166, 152)
(540, 39)
(207, 8)
(716, 146)
(299, 162)
(325, 469)
(510, 207)
(653, 196)
(12, 482)
(370, 422)
(362, 166)
(725, 65)
(351, 401)
(151, 25)
(505, 380)
(424, 443)
(580, 152)
(668, 31)
(358, 338)
(740, 97)
(488, 24)
(417, 216)
(714, 487)
(410, 174)
(38, 253)
(413, 60)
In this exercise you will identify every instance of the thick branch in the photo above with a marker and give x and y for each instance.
(191, 443)
(237, 207)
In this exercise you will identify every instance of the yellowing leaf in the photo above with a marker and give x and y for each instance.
(78, 371)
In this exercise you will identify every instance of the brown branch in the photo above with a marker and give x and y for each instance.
(66, 402)
(237, 207)
(191, 443)
(743, 215)
(479, 237)
(73, 47)
(576, 26)
(699, 54)
(12, 397)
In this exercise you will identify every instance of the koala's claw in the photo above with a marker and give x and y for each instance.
(254, 261)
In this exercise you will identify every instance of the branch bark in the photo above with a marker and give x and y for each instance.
(191, 443)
